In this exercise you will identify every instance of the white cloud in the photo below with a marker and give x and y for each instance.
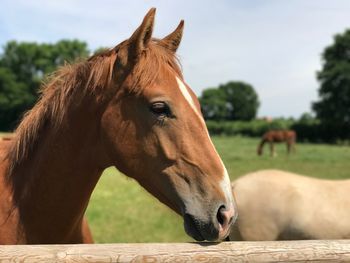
(274, 45)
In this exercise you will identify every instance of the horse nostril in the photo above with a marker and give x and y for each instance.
(221, 216)
(225, 217)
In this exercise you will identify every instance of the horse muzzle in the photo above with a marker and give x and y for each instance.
(216, 229)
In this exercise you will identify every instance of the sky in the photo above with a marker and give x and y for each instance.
(273, 45)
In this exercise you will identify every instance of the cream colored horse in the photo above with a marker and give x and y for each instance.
(278, 205)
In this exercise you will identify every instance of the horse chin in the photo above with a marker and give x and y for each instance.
(200, 230)
(191, 229)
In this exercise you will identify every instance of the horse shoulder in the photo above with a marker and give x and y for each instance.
(9, 219)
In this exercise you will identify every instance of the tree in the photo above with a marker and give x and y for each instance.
(230, 101)
(306, 117)
(13, 98)
(23, 66)
(242, 100)
(68, 51)
(30, 61)
(100, 50)
(333, 107)
(213, 104)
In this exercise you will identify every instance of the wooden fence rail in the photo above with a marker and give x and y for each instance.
(281, 251)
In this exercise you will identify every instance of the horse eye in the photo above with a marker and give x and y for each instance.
(160, 108)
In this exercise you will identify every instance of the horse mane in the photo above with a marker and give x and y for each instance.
(73, 82)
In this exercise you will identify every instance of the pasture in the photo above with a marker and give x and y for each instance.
(121, 211)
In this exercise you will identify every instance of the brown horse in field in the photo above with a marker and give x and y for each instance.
(127, 107)
(279, 205)
(273, 136)
(7, 137)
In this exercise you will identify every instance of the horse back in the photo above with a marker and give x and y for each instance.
(280, 136)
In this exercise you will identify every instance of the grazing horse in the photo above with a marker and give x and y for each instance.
(6, 138)
(278, 205)
(273, 136)
(127, 107)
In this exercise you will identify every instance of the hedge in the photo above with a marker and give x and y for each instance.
(307, 131)
(252, 128)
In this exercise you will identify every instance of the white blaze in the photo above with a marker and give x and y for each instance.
(225, 183)
(188, 97)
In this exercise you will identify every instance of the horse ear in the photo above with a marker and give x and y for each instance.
(143, 34)
(172, 41)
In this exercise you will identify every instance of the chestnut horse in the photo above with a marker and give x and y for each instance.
(279, 205)
(273, 136)
(127, 107)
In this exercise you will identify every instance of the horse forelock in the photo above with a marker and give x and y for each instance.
(149, 66)
(72, 82)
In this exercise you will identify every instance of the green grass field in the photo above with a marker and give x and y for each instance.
(121, 211)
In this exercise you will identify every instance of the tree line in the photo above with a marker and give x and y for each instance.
(24, 65)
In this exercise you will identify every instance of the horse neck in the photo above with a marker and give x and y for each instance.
(53, 186)
(261, 144)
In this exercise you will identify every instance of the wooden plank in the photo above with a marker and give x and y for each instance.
(277, 251)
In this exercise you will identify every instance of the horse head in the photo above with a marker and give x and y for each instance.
(152, 130)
